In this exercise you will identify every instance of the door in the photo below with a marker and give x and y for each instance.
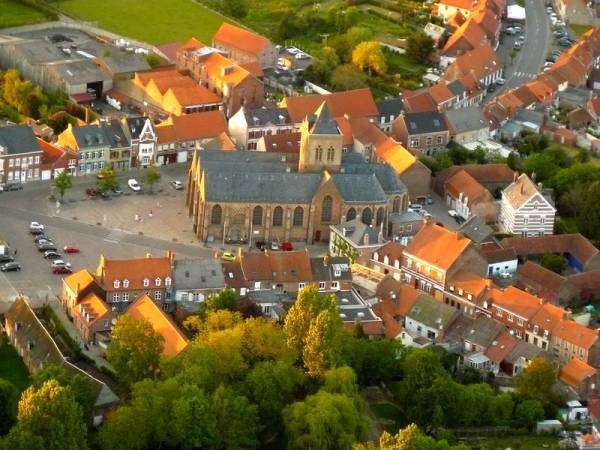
(318, 235)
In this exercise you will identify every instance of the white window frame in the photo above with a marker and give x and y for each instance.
(168, 281)
(125, 283)
(117, 284)
(116, 298)
(146, 282)
(157, 281)
(157, 295)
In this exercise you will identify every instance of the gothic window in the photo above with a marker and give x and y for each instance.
(351, 214)
(367, 216)
(278, 216)
(396, 205)
(298, 216)
(380, 214)
(319, 153)
(216, 215)
(326, 209)
(257, 216)
(330, 154)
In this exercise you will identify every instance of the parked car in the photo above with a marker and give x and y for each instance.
(10, 266)
(6, 258)
(60, 263)
(261, 245)
(36, 228)
(42, 237)
(91, 192)
(491, 88)
(45, 246)
(500, 81)
(517, 45)
(564, 42)
(415, 207)
(178, 185)
(452, 213)
(510, 31)
(71, 249)
(12, 187)
(51, 254)
(275, 245)
(117, 190)
(61, 269)
(228, 256)
(134, 185)
(287, 246)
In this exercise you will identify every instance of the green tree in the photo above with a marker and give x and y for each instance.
(324, 421)
(341, 380)
(583, 173)
(409, 438)
(325, 60)
(107, 180)
(152, 175)
(529, 412)
(369, 56)
(153, 60)
(63, 181)
(555, 263)
(418, 47)
(542, 165)
(319, 343)
(226, 299)
(134, 350)
(346, 77)
(237, 419)
(82, 387)
(9, 396)
(373, 361)
(589, 217)
(235, 8)
(537, 382)
(48, 418)
(501, 409)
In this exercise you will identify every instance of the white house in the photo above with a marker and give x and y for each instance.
(525, 210)
(247, 126)
(142, 136)
(195, 280)
(429, 318)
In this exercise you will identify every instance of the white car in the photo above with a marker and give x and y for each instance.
(500, 81)
(36, 226)
(452, 213)
(134, 185)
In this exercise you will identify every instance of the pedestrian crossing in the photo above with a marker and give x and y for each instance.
(524, 75)
(115, 236)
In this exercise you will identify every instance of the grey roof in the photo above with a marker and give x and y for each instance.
(356, 232)
(481, 331)
(575, 95)
(119, 62)
(90, 136)
(432, 313)
(528, 116)
(79, 72)
(352, 308)
(17, 139)
(456, 87)
(262, 187)
(406, 217)
(388, 178)
(425, 122)
(264, 116)
(324, 123)
(324, 269)
(467, 119)
(359, 188)
(198, 273)
(268, 296)
(477, 230)
(115, 135)
(524, 350)
(391, 107)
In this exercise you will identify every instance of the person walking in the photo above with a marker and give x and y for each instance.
(15, 252)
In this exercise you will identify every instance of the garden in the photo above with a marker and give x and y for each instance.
(12, 367)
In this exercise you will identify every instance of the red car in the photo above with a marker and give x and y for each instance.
(62, 269)
(71, 249)
(287, 246)
(91, 192)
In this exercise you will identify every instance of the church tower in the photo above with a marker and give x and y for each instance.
(320, 142)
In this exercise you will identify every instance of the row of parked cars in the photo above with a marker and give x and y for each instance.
(46, 245)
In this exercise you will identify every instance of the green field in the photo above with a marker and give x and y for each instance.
(13, 13)
(12, 367)
(156, 22)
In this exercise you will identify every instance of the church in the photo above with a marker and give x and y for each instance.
(234, 196)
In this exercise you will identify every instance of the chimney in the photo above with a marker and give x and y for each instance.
(533, 176)
(366, 239)
(515, 176)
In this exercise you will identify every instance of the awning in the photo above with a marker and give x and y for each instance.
(84, 97)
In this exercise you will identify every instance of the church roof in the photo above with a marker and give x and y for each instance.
(324, 123)
(360, 188)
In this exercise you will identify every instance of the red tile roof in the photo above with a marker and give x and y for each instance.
(516, 301)
(135, 270)
(541, 281)
(576, 372)
(501, 347)
(463, 183)
(468, 36)
(419, 102)
(575, 333)
(437, 246)
(395, 298)
(194, 126)
(232, 36)
(462, 4)
(480, 62)
(284, 142)
(575, 244)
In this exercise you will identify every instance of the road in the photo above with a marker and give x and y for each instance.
(530, 59)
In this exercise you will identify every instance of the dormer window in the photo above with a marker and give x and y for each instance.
(157, 281)
(117, 284)
(337, 272)
(146, 282)
(168, 281)
(125, 283)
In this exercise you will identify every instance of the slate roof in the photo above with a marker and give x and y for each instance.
(114, 134)
(425, 122)
(431, 313)
(323, 269)
(198, 273)
(477, 230)
(388, 179)
(324, 123)
(391, 107)
(125, 63)
(262, 187)
(467, 119)
(90, 136)
(456, 87)
(263, 116)
(17, 139)
(359, 188)
(356, 232)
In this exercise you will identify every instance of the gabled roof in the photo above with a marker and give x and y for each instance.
(516, 301)
(462, 4)
(265, 116)
(394, 154)
(477, 230)
(543, 282)
(575, 244)
(466, 119)
(283, 142)
(463, 183)
(188, 127)
(437, 246)
(481, 331)
(424, 122)
(441, 93)
(468, 36)
(355, 103)
(576, 372)
(198, 273)
(79, 281)
(229, 35)
(419, 102)
(395, 298)
(144, 308)
(575, 333)
(521, 191)
(17, 139)
(501, 347)
(431, 313)
(324, 123)
(135, 270)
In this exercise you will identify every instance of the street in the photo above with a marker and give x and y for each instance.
(529, 60)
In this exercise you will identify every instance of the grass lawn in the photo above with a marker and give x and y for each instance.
(520, 442)
(580, 29)
(156, 22)
(13, 14)
(389, 415)
(12, 367)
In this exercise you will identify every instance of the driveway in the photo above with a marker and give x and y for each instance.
(530, 59)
